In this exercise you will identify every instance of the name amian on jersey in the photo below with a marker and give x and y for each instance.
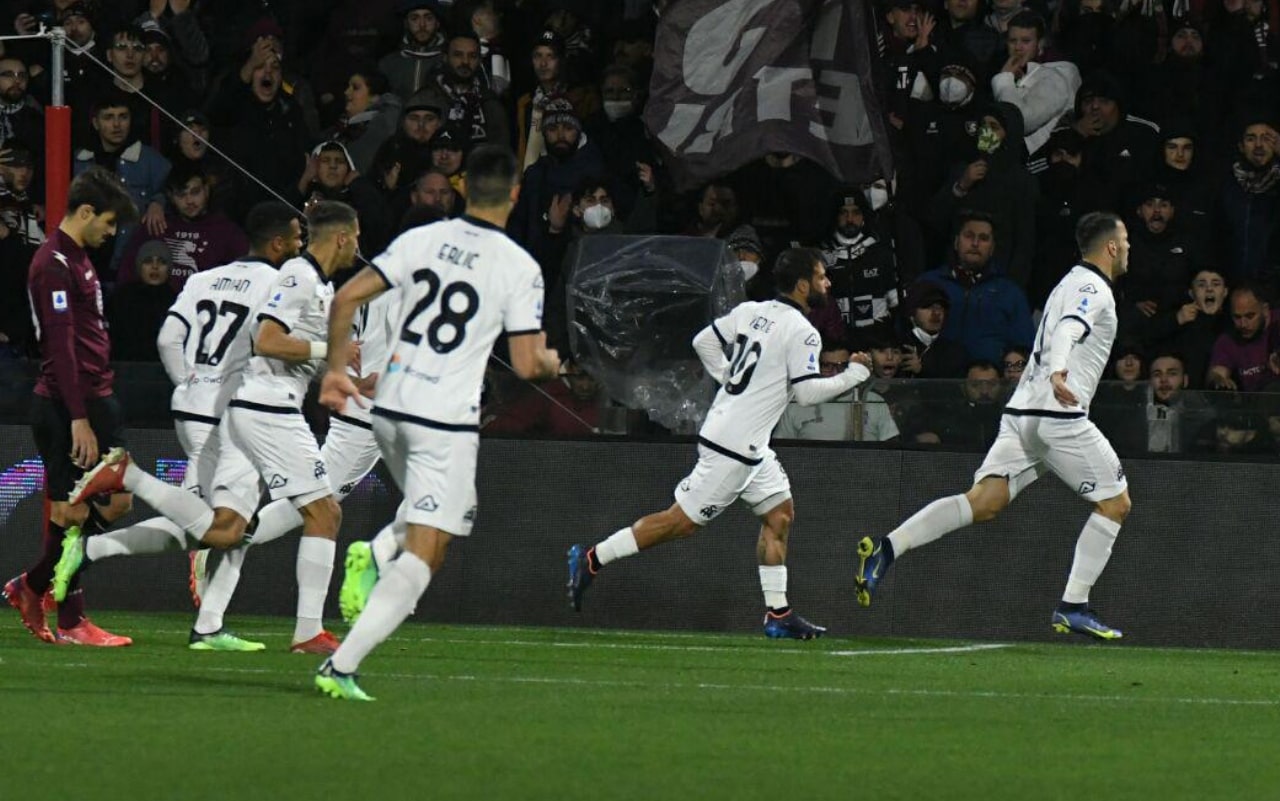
(232, 285)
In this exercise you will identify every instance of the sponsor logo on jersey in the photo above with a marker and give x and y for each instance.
(427, 504)
(1089, 289)
(813, 341)
(59, 300)
(289, 281)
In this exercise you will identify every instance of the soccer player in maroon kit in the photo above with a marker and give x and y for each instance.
(74, 414)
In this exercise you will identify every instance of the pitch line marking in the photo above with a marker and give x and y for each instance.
(746, 649)
(765, 688)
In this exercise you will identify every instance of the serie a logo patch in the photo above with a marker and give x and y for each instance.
(59, 300)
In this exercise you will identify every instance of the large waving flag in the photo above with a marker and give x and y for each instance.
(736, 79)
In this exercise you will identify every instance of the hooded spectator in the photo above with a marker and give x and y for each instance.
(421, 50)
(370, 116)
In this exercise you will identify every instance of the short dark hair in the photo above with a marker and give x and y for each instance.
(1252, 287)
(589, 184)
(178, 177)
(133, 33)
(328, 214)
(794, 265)
(267, 220)
(111, 98)
(981, 364)
(377, 82)
(1095, 227)
(1169, 353)
(103, 191)
(491, 172)
(965, 216)
(1028, 19)
(1021, 350)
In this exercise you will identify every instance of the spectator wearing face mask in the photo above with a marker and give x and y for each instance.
(616, 128)
(996, 181)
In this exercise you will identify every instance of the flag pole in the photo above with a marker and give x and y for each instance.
(57, 137)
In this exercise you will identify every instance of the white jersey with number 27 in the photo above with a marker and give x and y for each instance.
(217, 307)
(462, 283)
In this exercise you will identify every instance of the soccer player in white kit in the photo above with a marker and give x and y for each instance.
(762, 355)
(462, 284)
(264, 421)
(1046, 427)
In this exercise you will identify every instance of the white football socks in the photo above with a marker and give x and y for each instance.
(275, 520)
(1093, 549)
(773, 580)
(620, 544)
(930, 523)
(155, 535)
(384, 547)
(217, 596)
(314, 569)
(182, 507)
(392, 600)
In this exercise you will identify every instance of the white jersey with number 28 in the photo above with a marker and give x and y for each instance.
(462, 283)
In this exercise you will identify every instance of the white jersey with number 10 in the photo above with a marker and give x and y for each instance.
(462, 283)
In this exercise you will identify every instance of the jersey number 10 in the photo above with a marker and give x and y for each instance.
(742, 364)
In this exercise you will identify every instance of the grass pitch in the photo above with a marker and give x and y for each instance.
(503, 713)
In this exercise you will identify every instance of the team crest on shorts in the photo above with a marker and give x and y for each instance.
(427, 504)
(1087, 487)
(320, 471)
(1120, 473)
(346, 489)
(277, 481)
(709, 511)
(470, 516)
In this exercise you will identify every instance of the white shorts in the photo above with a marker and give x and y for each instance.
(718, 480)
(349, 453)
(282, 450)
(216, 470)
(436, 471)
(1074, 450)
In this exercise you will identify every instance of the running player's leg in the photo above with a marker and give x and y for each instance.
(1010, 467)
(715, 483)
(284, 452)
(1081, 456)
(438, 479)
(769, 497)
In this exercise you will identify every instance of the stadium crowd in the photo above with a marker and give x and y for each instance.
(1007, 120)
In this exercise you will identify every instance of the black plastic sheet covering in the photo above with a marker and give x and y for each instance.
(634, 304)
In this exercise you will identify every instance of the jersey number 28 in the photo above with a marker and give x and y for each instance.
(459, 302)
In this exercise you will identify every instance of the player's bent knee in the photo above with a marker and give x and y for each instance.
(120, 505)
(322, 517)
(64, 514)
(1115, 509)
(679, 523)
(988, 498)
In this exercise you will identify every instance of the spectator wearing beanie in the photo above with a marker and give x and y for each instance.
(925, 354)
(421, 52)
(407, 155)
(137, 309)
(569, 161)
(864, 278)
(1184, 168)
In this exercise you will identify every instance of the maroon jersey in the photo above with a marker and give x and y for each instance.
(66, 304)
